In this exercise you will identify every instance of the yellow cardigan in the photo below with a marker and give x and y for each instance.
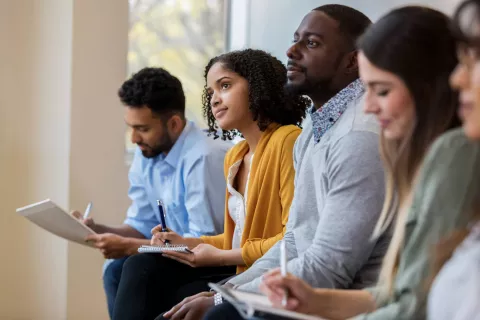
(270, 193)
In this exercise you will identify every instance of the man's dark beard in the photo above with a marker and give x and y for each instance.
(308, 87)
(299, 89)
(163, 146)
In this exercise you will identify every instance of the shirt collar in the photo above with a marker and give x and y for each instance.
(325, 117)
(174, 154)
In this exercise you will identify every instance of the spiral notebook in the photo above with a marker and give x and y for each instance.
(160, 249)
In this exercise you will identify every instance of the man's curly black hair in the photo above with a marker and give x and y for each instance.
(269, 101)
(156, 89)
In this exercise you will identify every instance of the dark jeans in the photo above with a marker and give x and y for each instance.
(111, 280)
(226, 311)
(152, 284)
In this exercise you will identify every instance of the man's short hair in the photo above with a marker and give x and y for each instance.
(352, 23)
(156, 89)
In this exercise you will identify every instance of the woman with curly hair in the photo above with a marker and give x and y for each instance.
(244, 94)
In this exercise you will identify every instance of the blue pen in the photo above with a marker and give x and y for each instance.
(162, 218)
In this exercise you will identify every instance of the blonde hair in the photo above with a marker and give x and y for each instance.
(399, 176)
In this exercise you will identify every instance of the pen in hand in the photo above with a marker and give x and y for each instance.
(162, 219)
(87, 211)
(86, 214)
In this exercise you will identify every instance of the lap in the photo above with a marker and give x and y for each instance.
(152, 284)
(191, 289)
(168, 270)
(224, 311)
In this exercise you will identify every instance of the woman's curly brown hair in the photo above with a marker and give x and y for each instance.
(269, 101)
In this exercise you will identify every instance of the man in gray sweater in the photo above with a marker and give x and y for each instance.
(339, 182)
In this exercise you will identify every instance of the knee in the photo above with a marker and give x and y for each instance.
(139, 262)
(113, 272)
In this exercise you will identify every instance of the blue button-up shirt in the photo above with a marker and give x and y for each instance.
(190, 182)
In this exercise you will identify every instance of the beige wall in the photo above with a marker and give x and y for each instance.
(97, 168)
(61, 136)
(35, 88)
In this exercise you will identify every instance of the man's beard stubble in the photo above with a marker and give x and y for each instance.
(165, 145)
(308, 87)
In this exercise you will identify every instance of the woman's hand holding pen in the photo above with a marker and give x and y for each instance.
(159, 237)
(301, 297)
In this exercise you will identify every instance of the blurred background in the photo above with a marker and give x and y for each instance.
(62, 134)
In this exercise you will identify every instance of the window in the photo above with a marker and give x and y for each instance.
(180, 36)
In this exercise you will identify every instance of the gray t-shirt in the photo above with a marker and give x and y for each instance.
(339, 193)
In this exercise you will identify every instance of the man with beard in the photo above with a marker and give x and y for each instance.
(339, 181)
(175, 162)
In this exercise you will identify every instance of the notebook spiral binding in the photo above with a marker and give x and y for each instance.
(160, 249)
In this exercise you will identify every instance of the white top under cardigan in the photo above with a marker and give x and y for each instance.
(237, 203)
